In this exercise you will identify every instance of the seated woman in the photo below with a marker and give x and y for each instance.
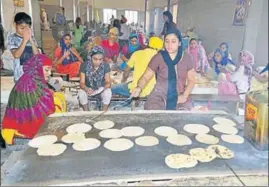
(95, 79)
(260, 80)
(111, 47)
(173, 69)
(222, 64)
(129, 49)
(67, 59)
(243, 75)
(29, 102)
(198, 54)
(224, 47)
(91, 42)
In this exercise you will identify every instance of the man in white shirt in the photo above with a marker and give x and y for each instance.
(123, 39)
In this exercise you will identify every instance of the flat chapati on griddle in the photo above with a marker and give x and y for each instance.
(111, 133)
(103, 125)
(179, 140)
(73, 138)
(233, 139)
(147, 141)
(224, 121)
(51, 150)
(79, 128)
(203, 155)
(177, 161)
(86, 144)
(225, 129)
(117, 145)
(196, 129)
(43, 141)
(222, 151)
(207, 139)
(165, 131)
(132, 131)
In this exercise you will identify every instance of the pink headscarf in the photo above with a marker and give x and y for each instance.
(199, 57)
(247, 59)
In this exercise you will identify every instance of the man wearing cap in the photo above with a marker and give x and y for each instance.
(139, 62)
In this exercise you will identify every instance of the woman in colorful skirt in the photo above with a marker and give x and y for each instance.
(30, 101)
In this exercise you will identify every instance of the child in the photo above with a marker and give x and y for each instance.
(22, 43)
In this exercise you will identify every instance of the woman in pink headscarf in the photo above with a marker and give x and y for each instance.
(198, 54)
(243, 75)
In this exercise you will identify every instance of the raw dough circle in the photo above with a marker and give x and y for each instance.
(102, 125)
(196, 129)
(79, 128)
(132, 131)
(86, 144)
(73, 138)
(224, 121)
(226, 129)
(120, 144)
(165, 131)
(51, 150)
(42, 141)
(207, 139)
(179, 140)
(203, 155)
(147, 141)
(223, 152)
(110, 133)
(177, 161)
(234, 139)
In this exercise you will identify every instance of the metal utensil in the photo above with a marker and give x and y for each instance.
(218, 153)
(121, 104)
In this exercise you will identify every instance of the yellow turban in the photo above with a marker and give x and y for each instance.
(113, 30)
(156, 43)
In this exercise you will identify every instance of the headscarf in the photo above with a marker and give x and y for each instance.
(95, 78)
(248, 64)
(226, 53)
(30, 98)
(64, 48)
(172, 94)
(265, 69)
(133, 48)
(155, 43)
(224, 61)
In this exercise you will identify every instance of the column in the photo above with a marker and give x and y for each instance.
(168, 5)
(74, 10)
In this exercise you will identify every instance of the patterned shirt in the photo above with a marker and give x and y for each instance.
(14, 42)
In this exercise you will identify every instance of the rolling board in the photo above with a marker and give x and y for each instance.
(136, 164)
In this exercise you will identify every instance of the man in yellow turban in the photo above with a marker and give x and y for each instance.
(139, 62)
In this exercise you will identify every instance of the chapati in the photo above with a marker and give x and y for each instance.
(102, 125)
(223, 152)
(73, 138)
(207, 139)
(224, 121)
(203, 155)
(42, 141)
(147, 141)
(179, 140)
(132, 131)
(225, 129)
(110, 133)
(196, 129)
(120, 144)
(165, 131)
(51, 150)
(79, 128)
(233, 139)
(86, 144)
(177, 161)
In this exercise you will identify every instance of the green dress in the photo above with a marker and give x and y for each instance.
(78, 35)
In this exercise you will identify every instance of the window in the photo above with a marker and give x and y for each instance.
(132, 16)
(174, 8)
(107, 13)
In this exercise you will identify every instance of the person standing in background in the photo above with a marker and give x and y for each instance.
(2, 44)
(168, 22)
(78, 31)
(22, 44)
(123, 39)
(59, 18)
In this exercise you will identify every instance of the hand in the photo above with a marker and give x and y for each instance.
(66, 53)
(31, 35)
(73, 50)
(181, 99)
(136, 92)
(26, 34)
(90, 91)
